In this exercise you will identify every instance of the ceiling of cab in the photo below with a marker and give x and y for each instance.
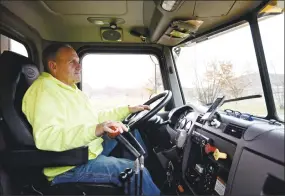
(87, 7)
(67, 20)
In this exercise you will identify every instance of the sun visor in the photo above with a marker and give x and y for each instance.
(178, 31)
(273, 7)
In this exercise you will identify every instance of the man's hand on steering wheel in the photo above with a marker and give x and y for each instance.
(114, 128)
(141, 115)
(138, 108)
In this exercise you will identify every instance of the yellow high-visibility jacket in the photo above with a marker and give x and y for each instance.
(63, 118)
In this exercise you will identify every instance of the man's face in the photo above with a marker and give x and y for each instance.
(66, 66)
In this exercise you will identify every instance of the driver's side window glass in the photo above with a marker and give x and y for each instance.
(110, 80)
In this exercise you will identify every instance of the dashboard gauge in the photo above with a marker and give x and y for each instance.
(188, 125)
(186, 113)
(183, 123)
(177, 125)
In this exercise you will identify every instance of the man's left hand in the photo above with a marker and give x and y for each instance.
(138, 108)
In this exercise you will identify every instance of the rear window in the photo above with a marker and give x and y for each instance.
(10, 44)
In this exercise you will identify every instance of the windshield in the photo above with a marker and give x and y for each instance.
(222, 65)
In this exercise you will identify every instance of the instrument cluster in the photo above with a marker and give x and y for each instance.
(184, 122)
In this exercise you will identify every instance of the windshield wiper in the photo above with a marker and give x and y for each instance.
(239, 99)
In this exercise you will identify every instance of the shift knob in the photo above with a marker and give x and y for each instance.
(115, 134)
(123, 177)
(129, 172)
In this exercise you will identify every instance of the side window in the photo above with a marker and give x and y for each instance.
(120, 79)
(7, 43)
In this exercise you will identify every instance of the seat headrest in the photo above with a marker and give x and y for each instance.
(11, 64)
(30, 72)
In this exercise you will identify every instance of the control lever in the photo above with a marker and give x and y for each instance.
(130, 174)
(141, 173)
(142, 152)
(127, 144)
(137, 168)
(139, 162)
(121, 139)
(131, 138)
(123, 178)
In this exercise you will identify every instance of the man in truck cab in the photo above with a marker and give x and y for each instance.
(63, 118)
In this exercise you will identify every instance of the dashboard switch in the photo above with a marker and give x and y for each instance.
(219, 155)
(209, 148)
(199, 168)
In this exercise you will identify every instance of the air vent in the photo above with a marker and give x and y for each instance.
(234, 130)
(199, 120)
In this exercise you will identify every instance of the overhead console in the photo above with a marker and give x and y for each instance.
(209, 163)
(167, 22)
(179, 30)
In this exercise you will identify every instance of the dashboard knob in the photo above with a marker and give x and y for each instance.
(219, 155)
(215, 123)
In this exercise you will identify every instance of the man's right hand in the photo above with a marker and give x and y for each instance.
(105, 127)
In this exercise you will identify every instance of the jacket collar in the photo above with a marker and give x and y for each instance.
(58, 82)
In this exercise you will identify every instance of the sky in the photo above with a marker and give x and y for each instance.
(119, 71)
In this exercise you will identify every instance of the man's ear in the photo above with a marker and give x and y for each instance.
(52, 67)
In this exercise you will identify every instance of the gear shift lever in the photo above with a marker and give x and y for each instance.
(141, 172)
(130, 174)
(137, 168)
(123, 178)
(139, 162)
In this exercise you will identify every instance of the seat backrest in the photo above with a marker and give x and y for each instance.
(17, 73)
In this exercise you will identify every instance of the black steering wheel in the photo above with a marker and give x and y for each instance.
(136, 118)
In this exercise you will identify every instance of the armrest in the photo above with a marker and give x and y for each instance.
(40, 158)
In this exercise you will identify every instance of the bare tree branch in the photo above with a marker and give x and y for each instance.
(219, 78)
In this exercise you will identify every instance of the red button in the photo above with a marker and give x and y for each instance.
(209, 148)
